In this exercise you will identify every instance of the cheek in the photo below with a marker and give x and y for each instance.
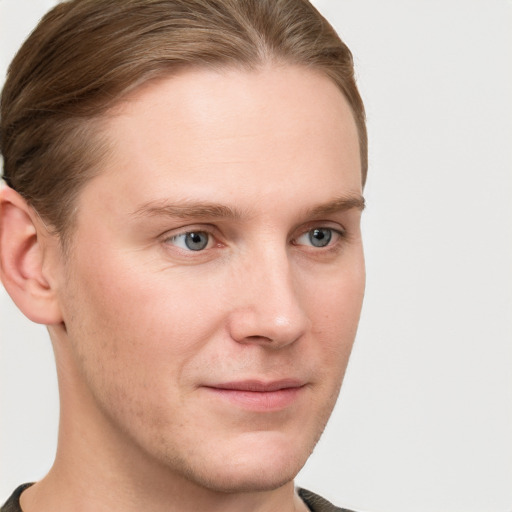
(134, 338)
(335, 306)
(129, 297)
(133, 325)
(336, 295)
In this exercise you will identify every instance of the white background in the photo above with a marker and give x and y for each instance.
(424, 423)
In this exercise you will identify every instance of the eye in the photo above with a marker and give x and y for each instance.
(318, 237)
(191, 241)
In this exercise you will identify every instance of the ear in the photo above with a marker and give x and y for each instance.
(24, 245)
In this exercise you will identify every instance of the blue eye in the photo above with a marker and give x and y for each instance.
(318, 237)
(191, 241)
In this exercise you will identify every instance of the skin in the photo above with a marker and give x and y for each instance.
(148, 333)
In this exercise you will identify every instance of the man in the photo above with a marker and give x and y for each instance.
(183, 212)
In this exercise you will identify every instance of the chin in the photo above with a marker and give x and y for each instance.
(237, 478)
(257, 462)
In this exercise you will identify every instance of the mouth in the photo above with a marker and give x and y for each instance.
(258, 395)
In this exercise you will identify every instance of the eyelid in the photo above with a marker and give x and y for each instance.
(340, 234)
(180, 241)
(337, 234)
(211, 231)
(189, 228)
(321, 224)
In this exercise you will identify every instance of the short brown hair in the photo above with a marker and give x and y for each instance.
(85, 54)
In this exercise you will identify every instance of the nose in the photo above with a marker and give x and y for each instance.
(268, 308)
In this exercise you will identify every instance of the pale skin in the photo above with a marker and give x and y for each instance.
(197, 371)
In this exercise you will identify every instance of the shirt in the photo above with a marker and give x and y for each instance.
(314, 502)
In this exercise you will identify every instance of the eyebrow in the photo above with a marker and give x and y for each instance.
(337, 205)
(186, 210)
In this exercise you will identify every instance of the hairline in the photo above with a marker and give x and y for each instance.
(98, 132)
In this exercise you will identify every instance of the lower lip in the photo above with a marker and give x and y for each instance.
(259, 400)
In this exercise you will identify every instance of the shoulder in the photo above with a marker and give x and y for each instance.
(13, 503)
(316, 503)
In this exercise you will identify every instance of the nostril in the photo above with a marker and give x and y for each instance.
(263, 339)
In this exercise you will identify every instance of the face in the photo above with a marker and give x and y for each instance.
(216, 275)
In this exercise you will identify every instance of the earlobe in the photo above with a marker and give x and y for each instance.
(23, 248)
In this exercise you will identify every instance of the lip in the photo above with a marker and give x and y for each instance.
(257, 395)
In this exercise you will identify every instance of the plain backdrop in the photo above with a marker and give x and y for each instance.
(424, 422)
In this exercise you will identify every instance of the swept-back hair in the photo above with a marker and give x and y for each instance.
(85, 54)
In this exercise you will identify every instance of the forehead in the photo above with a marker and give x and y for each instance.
(221, 132)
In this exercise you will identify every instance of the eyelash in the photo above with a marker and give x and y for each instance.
(195, 232)
(335, 236)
